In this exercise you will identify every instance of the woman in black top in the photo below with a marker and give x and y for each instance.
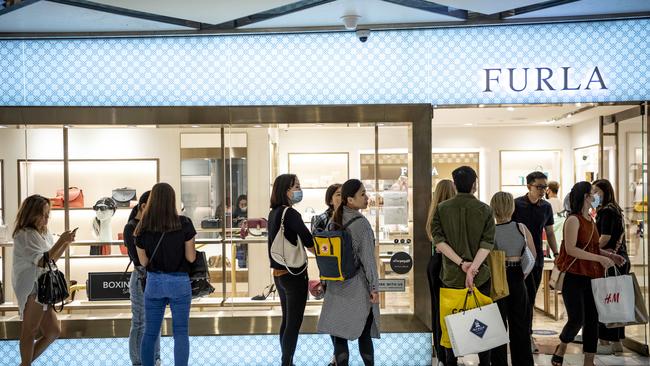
(165, 246)
(611, 227)
(291, 282)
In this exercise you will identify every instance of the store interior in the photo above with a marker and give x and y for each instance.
(217, 170)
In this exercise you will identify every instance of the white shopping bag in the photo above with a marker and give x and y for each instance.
(476, 330)
(614, 298)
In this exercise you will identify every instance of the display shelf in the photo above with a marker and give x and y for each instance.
(515, 165)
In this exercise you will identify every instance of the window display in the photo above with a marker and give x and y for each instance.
(515, 165)
(444, 163)
(585, 163)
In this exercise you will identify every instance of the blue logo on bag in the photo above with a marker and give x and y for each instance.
(478, 328)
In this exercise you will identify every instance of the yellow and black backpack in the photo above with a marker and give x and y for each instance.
(334, 252)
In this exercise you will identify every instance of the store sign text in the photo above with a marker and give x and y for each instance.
(541, 79)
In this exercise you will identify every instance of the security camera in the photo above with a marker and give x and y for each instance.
(363, 35)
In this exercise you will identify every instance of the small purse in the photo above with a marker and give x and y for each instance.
(124, 196)
(75, 196)
(557, 276)
(52, 287)
(200, 276)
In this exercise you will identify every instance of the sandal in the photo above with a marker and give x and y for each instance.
(557, 360)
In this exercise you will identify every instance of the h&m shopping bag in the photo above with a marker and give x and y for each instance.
(453, 301)
(476, 330)
(640, 310)
(614, 298)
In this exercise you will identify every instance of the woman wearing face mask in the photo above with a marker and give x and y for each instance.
(611, 226)
(582, 260)
(241, 210)
(290, 282)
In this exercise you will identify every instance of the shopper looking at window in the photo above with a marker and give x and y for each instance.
(582, 259)
(136, 292)
(31, 240)
(537, 214)
(611, 227)
(512, 237)
(165, 247)
(444, 190)
(463, 231)
(351, 307)
(290, 282)
(332, 200)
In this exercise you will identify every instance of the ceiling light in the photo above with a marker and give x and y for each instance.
(510, 109)
(195, 126)
(380, 124)
(3, 126)
(350, 21)
(481, 105)
(257, 126)
(468, 124)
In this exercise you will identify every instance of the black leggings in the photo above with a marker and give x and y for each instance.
(366, 349)
(581, 312)
(293, 298)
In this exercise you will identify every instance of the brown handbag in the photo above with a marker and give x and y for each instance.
(557, 275)
(75, 198)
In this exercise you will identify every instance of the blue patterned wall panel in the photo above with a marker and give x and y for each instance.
(437, 66)
(11, 73)
(393, 349)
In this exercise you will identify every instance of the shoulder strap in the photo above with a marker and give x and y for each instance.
(518, 225)
(156, 249)
(350, 222)
(593, 228)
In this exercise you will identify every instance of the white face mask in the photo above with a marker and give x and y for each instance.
(596, 201)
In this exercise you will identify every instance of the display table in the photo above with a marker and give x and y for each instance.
(546, 289)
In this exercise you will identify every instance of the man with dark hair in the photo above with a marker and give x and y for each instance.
(537, 214)
(463, 231)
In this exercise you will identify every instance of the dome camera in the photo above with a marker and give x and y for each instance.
(363, 35)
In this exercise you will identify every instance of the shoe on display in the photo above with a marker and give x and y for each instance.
(605, 349)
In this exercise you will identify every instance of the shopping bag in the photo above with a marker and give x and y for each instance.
(476, 330)
(614, 298)
(453, 301)
(640, 310)
(498, 280)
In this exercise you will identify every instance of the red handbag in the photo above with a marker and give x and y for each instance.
(75, 196)
(253, 227)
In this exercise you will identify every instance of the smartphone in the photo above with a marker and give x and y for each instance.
(75, 230)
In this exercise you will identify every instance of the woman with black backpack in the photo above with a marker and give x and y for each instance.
(351, 307)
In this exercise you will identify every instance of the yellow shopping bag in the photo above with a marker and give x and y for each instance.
(453, 301)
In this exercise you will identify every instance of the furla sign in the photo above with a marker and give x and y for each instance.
(541, 79)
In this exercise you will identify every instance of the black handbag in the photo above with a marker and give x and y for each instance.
(210, 223)
(124, 196)
(200, 276)
(52, 286)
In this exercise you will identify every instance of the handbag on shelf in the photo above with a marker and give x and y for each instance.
(253, 227)
(75, 197)
(52, 287)
(216, 261)
(211, 223)
(124, 196)
(200, 276)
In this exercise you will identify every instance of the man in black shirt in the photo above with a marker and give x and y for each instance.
(537, 214)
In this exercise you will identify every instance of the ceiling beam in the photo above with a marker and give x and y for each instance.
(131, 13)
(269, 14)
(431, 8)
(534, 7)
(17, 6)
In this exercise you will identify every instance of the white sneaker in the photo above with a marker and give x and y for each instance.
(605, 349)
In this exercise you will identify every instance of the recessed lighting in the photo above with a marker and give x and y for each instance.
(66, 126)
(510, 109)
(468, 124)
(195, 126)
(257, 126)
(481, 105)
(546, 122)
(381, 124)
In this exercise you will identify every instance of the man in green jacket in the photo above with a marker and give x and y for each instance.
(463, 231)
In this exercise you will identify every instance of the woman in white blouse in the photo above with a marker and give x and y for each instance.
(31, 240)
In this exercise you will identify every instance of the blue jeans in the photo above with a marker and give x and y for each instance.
(137, 318)
(162, 289)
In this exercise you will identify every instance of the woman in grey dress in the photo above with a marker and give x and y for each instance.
(351, 307)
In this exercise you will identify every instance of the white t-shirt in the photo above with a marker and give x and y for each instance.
(29, 246)
(556, 203)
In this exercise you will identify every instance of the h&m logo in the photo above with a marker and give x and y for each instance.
(541, 79)
(612, 298)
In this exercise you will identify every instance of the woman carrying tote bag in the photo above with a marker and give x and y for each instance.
(291, 282)
(582, 260)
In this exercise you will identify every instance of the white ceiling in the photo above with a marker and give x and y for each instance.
(371, 12)
(48, 17)
(45, 16)
(519, 116)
